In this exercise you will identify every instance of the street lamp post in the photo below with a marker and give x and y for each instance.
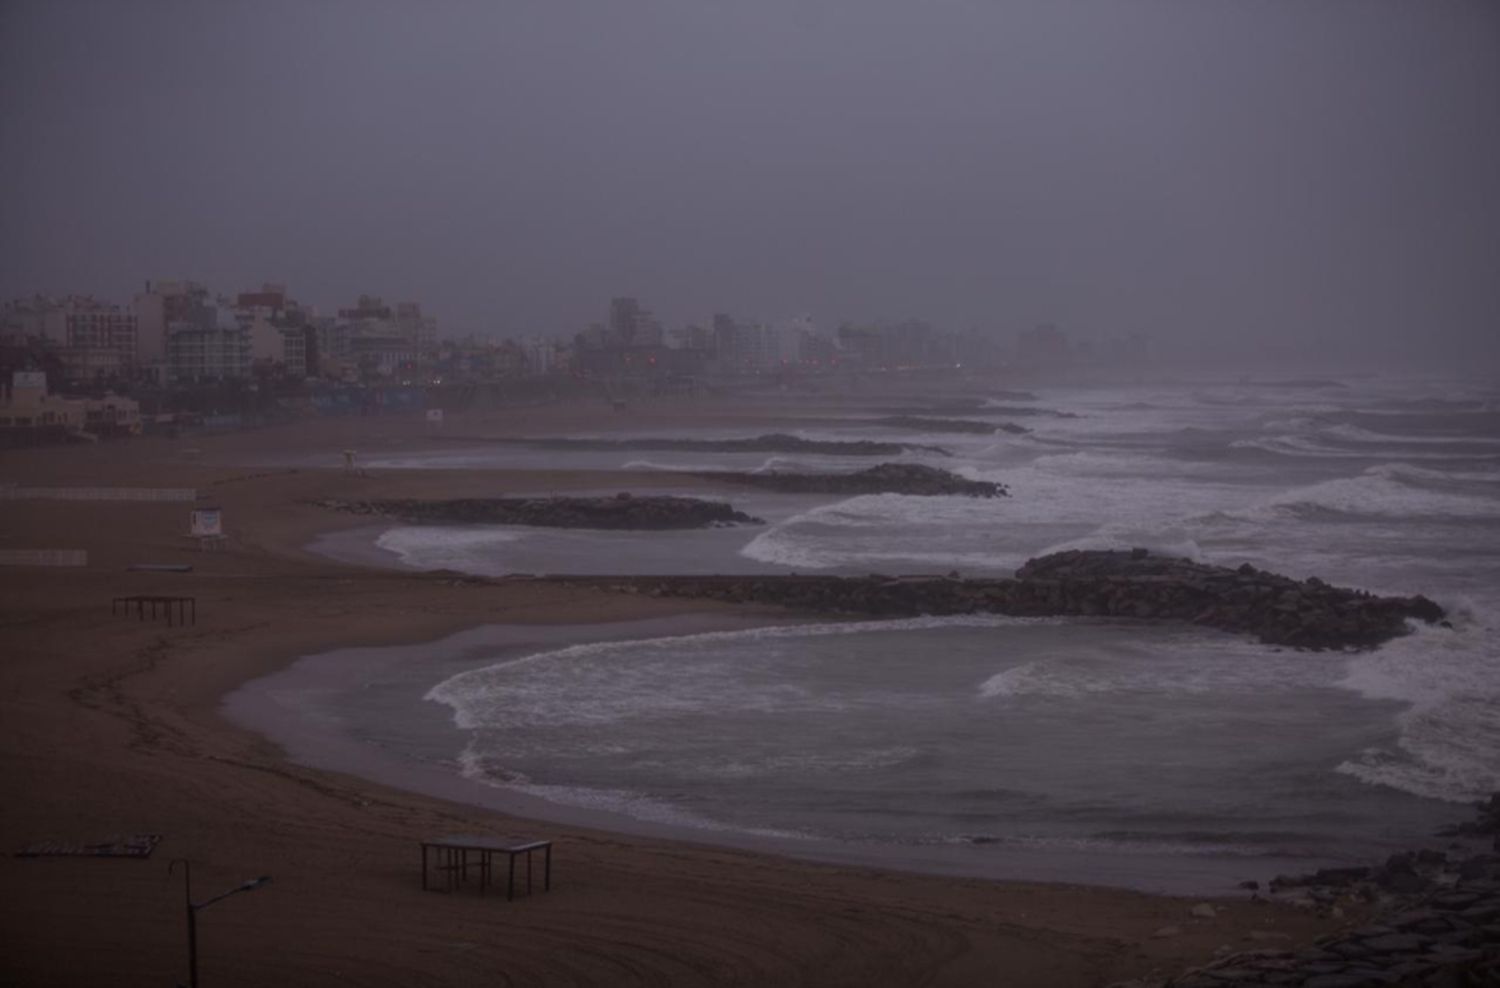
(193, 907)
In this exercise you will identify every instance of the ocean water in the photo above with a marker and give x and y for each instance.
(993, 733)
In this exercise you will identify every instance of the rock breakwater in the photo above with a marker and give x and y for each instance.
(887, 478)
(622, 511)
(1436, 923)
(774, 442)
(1136, 584)
(1444, 939)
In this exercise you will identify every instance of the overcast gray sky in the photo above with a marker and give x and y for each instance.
(1214, 170)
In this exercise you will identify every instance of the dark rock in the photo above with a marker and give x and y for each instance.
(1374, 975)
(1233, 974)
(1350, 950)
(1243, 599)
(1448, 954)
(622, 511)
(776, 442)
(1337, 981)
(1339, 876)
(1403, 862)
(1393, 943)
(1370, 932)
(1481, 913)
(887, 478)
(1404, 882)
(1081, 583)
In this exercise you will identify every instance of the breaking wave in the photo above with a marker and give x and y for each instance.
(1447, 745)
(1391, 490)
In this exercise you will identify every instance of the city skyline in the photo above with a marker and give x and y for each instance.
(1294, 175)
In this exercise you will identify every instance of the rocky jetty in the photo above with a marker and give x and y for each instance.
(1445, 939)
(1135, 584)
(774, 442)
(1487, 824)
(1436, 923)
(1277, 609)
(887, 478)
(622, 511)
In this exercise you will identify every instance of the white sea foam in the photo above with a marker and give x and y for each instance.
(1129, 463)
(774, 464)
(1296, 445)
(1383, 490)
(1308, 446)
(494, 697)
(444, 547)
(1355, 434)
(1416, 474)
(673, 467)
(1448, 746)
(884, 529)
(890, 530)
(783, 464)
(1191, 663)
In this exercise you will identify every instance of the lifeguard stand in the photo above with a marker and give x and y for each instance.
(207, 526)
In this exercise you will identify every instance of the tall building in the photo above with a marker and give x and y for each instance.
(24, 319)
(158, 307)
(419, 329)
(369, 308)
(211, 344)
(278, 328)
(97, 340)
(197, 354)
(624, 313)
(632, 325)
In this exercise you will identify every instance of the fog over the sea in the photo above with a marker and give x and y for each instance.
(1317, 177)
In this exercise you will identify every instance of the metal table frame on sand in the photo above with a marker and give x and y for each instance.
(453, 860)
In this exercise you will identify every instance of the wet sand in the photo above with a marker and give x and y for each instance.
(113, 726)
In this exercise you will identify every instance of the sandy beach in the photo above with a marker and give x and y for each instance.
(114, 726)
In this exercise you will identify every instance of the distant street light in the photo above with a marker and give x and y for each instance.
(193, 907)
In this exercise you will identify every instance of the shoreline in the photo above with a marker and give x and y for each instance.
(116, 726)
(315, 735)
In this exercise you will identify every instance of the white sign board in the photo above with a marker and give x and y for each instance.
(207, 522)
(435, 416)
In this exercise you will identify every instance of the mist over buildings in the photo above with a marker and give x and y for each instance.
(1310, 180)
